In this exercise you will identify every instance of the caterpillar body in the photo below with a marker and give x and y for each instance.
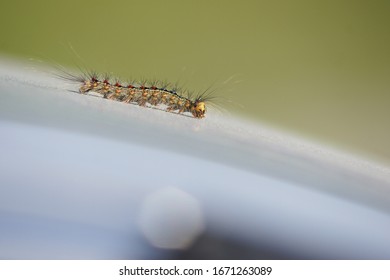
(147, 94)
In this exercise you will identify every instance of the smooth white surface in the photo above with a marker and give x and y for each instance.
(75, 172)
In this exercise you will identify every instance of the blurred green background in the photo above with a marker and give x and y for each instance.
(316, 68)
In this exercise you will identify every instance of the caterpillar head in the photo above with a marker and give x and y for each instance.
(198, 109)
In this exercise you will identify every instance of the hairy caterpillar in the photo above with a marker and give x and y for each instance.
(151, 94)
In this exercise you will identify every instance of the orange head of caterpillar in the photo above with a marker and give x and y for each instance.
(198, 109)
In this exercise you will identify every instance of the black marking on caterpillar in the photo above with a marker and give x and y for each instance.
(152, 94)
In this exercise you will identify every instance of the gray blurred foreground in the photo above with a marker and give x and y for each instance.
(86, 178)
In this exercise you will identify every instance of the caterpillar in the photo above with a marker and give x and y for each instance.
(152, 94)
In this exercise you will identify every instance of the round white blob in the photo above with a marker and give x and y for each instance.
(171, 219)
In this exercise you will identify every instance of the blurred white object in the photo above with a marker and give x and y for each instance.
(80, 177)
(171, 219)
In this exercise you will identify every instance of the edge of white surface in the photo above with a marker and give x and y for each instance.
(216, 129)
